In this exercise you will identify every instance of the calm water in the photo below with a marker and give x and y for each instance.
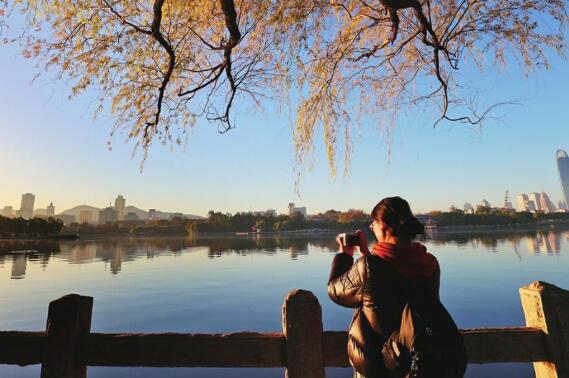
(234, 284)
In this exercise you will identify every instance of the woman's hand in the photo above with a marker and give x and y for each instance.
(362, 246)
(349, 250)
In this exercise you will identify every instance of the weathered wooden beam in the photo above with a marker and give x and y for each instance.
(245, 349)
(68, 324)
(302, 327)
(334, 348)
(21, 348)
(547, 307)
(488, 345)
(484, 345)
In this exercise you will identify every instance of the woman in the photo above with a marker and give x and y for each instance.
(379, 284)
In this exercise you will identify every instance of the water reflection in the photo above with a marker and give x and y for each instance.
(537, 243)
(114, 252)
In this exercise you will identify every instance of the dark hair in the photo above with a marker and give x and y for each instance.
(396, 214)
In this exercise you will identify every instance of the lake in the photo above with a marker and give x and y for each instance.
(226, 284)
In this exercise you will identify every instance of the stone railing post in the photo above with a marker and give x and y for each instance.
(547, 307)
(68, 323)
(302, 328)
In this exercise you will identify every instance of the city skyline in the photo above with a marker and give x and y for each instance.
(253, 167)
(532, 202)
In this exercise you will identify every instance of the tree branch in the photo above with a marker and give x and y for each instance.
(157, 35)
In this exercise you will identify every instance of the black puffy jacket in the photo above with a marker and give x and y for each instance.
(378, 293)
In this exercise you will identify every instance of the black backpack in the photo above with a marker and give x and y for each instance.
(427, 344)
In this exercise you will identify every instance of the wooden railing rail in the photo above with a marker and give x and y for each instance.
(67, 347)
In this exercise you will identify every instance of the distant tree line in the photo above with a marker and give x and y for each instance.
(219, 222)
(245, 222)
(488, 216)
(17, 227)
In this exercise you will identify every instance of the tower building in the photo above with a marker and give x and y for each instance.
(507, 203)
(27, 206)
(563, 167)
(50, 210)
(120, 204)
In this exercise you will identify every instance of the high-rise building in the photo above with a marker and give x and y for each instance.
(563, 166)
(50, 212)
(120, 204)
(545, 203)
(27, 206)
(522, 201)
(535, 199)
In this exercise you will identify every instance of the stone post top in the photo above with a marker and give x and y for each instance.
(544, 287)
(73, 297)
(300, 295)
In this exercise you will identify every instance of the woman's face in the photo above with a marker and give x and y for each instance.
(377, 228)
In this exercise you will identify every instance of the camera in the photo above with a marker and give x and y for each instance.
(350, 239)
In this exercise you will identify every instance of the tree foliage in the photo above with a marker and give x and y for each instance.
(488, 216)
(163, 64)
(29, 227)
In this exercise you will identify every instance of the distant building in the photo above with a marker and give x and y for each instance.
(545, 203)
(66, 218)
(50, 212)
(535, 198)
(263, 213)
(485, 203)
(292, 209)
(561, 205)
(563, 167)
(131, 217)
(467, 207)
(177, 215)
(7, 211)
(27, 205)
(507, 203)
(522, 202)
(120, 204)
(85, 216)
(108, 215)
(152, 215)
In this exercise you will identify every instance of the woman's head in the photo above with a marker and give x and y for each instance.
(395, 217)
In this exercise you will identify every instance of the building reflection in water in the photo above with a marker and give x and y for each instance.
(19, 262)
(544, 243)
(115, 252)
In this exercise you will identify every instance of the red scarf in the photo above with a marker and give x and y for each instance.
(411, 261)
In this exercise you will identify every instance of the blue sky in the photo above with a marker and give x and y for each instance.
(52, 147)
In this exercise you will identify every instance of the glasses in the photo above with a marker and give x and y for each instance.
(371, 226)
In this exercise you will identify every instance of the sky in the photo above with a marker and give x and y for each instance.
(52, 147)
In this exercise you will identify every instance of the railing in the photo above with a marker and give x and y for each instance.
(67, 346)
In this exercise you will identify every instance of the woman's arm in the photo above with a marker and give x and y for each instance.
(346, 282)
(437, 280)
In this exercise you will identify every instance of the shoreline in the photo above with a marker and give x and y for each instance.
(432, 233)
